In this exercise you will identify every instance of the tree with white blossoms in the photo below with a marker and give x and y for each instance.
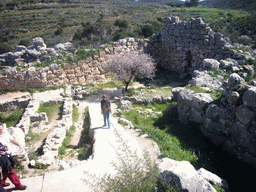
(128, 65)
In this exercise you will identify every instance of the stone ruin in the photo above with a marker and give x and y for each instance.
(229, 122)
(66, 73)
(169, 47)
(39, 123)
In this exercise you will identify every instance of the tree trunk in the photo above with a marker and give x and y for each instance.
(126, 86)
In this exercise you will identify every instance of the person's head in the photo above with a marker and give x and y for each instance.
(1, 128)
(104, 97)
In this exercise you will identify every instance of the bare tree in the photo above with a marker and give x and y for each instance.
(128, 65)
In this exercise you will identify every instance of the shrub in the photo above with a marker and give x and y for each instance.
(147, 30)
(121, 23)
(83, 54)
(133, 173)
(59, 31)
(244, 39)
(25, 42)
(4, 48)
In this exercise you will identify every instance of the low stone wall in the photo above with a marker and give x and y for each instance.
(67, 73)
(13, 105)
(230, 122)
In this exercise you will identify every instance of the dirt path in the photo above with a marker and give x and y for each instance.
(82, 104)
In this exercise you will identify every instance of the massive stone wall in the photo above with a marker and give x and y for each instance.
(229, 122)
(63, 74)
(169, 47)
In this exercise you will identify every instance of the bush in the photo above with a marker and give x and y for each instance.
(4, 48)
(244, 39)
(25, 42)
(133, 173)
(59, 31)
(147, 30)
(121, 23)
(83, 54)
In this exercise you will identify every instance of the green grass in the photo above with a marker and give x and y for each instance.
(75, 114)
(51, 111)
(159, 129)
(175, 140)
(66, 141)
(11, 118)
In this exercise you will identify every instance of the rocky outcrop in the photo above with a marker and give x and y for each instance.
(38, 51)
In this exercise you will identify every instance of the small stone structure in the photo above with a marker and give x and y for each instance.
(54, 140)
(169, 47)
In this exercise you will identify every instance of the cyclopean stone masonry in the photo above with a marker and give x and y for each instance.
(59, 74)
(169, 47)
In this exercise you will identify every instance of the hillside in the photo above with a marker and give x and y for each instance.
(92, 23)
(232, 4)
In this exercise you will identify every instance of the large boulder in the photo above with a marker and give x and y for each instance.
(249, 97)
(244, 114)
(184, 175)
(125, 104)
(202, 79)
(212, 178)
(211, 64)
(235, 81)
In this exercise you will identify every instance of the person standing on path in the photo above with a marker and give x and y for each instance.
(105, 110)
(6, 139)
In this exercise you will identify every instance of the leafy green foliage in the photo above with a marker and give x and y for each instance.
(84, 54)
(4, 48)
(25, 42)
(59, 31)
(121, 23)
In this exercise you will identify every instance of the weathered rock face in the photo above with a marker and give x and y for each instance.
(229, 123)
(184, 175)
(169, 47)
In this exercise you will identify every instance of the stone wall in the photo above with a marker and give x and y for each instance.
(63, 74)
(170, 45)
(229, 122)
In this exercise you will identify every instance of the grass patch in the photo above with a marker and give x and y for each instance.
(75, 114)
(51, 111)
(159, 128)
(175, 140)
(66, 141)
(11, 118)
